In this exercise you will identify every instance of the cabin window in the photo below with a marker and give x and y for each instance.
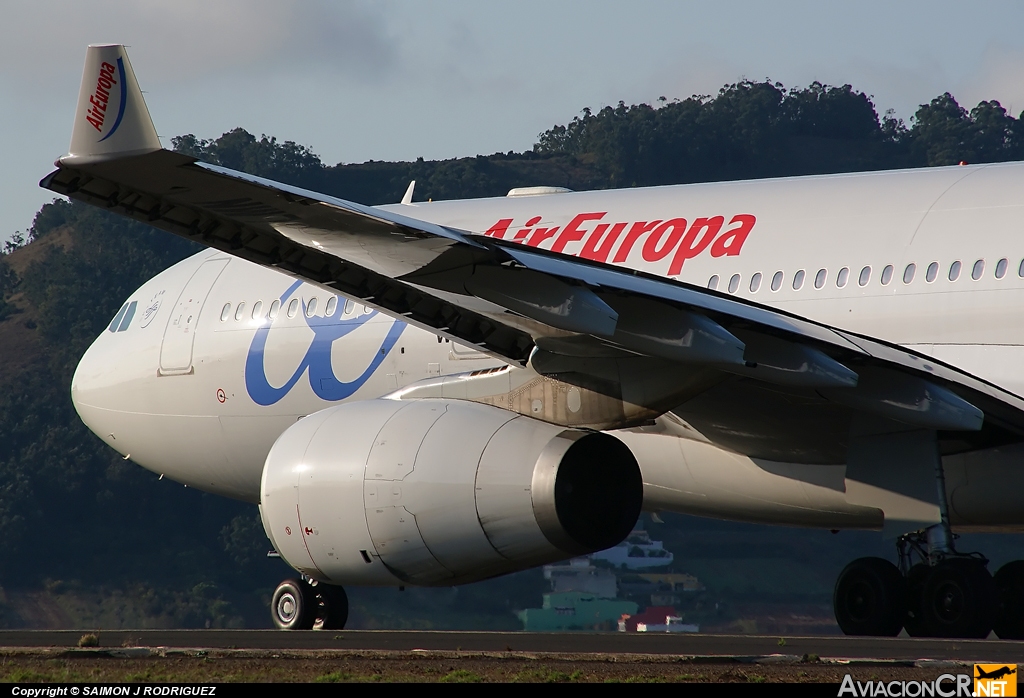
(274, 308)
(293, 307)
(713, 283)
(777, 281)
(931, 272)
(755, 282)
(954, 270)
(842, 277)
(225, 312)
(887, 274)
(978, 270)
(798, 280)
(1001, 268)
(349, 307)
(734, 283)
(332, 305)
(311, 307)
(908, 273)
(865, 276)
(819, 278)
(239, 310)
(1020, 269)
(257, 310)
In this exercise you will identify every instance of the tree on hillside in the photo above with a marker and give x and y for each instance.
(238, 149)
(759, 129)
(945, 133)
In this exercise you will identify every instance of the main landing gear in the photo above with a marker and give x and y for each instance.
(935, 592)
(302, 604)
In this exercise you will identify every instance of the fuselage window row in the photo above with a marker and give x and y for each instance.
(864, 277)
(331, 307)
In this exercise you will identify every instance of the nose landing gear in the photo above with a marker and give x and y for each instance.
(304, 604)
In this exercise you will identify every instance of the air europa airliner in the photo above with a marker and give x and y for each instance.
(436, 393)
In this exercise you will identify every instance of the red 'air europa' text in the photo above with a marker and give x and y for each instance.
(100, 97)
(675, 238)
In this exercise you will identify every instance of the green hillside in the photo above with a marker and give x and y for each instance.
(90, 540)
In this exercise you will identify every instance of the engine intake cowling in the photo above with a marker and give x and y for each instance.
(441, 492)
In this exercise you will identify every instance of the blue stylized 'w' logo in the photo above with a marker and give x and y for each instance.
(317, 360)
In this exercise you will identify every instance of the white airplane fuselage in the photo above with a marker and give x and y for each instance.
(220, 356)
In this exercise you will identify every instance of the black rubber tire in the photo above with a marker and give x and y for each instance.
(959, 599)
(294, 605)
(915, 623)
(333, 607)
(1009, 581)
(870, 598)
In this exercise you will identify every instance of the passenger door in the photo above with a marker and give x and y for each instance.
(179, 336)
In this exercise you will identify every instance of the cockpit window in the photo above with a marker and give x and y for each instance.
(120, 314)
(123, 318)
(128, 315)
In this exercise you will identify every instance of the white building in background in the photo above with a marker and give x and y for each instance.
(637, 552)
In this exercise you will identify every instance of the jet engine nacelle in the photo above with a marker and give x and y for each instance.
(439, 492)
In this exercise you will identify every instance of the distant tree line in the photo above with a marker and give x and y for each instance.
(748, 130)
(759, 129)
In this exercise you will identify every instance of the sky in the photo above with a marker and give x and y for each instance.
(401, 79)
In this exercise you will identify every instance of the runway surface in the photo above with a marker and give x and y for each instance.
(694, 645)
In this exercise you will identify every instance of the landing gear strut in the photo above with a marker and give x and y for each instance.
(302, 604)
(936, 591)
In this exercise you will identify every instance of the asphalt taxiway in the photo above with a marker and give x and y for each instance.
(680, 644)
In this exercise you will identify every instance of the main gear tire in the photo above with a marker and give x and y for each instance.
(870, 598)
(959, 599)
(915, 623)
(1009, 581)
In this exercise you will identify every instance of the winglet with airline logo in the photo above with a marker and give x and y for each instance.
(111, 119)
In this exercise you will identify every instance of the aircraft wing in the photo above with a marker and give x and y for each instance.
(742, 373)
